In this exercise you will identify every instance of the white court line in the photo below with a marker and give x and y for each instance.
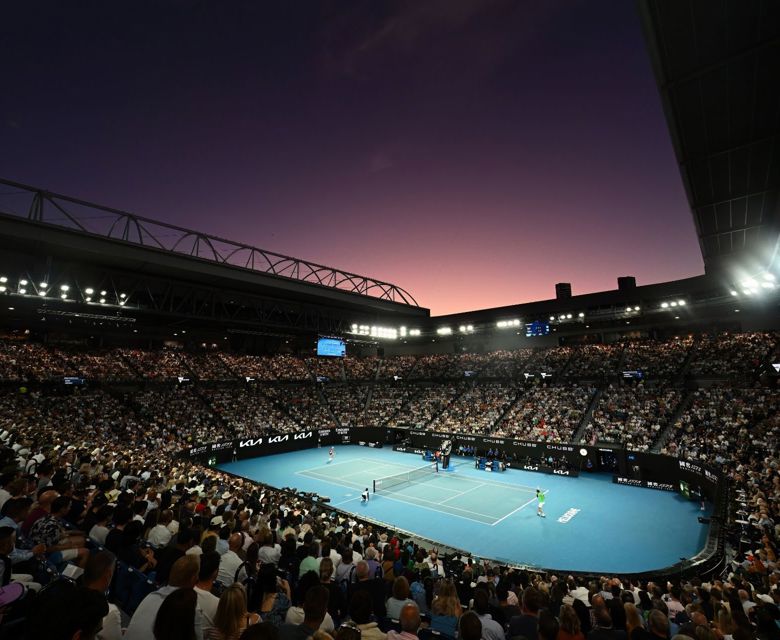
(422, 506)
(521, 487)
(323, 466)
(522, 506)
(338, 504)
(476, 513)
(407, 502)
(463, 493)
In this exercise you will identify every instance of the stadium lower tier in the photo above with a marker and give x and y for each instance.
(589, 523)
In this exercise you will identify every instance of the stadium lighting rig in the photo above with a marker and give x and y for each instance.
(373, 331)
(508, 324)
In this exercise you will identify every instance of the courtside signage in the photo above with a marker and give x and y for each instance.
(568, 515)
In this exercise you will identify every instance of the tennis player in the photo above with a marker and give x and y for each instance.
(364, 496)
(540, 504)
(331, 454)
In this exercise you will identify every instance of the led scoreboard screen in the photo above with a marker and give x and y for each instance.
(332, 347)
(538, 328)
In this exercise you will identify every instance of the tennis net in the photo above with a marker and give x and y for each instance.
(407, 477)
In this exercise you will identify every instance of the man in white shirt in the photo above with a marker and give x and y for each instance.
(184, 574)
(160, 535)
(207, 601)
(230, 561)
(434, 564)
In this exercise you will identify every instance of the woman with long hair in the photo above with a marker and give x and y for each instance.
(634, 619)
(274, 595)
(725, 623)
(446, 609)
(176, 616)
(337, 602)
(232, 616)
(569, 624)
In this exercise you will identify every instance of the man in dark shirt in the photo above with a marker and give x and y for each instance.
(375, 587)
(166, 556)
(604, 629)
(315, 606)
(122, 515)
(526, 623)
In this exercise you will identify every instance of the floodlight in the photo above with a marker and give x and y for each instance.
(673, 303)
(681, 303)
(769, 277)
(42, 293)
(124, 295)
(580, 315)
(23, 282)
(104, 292)
(734, 293)
(2, 289)
(562, 317)
(64, 287)
(88, 299)
(89, 291)
(664, 305)
(22, 291)
(3, 279)
(552, 317)
(102, 301)
(64, 296)
(568, 316)
(636, 308)
(43, 285)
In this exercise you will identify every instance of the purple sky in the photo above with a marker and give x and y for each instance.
(474, 153)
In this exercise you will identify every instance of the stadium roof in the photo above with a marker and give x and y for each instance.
(717, 65)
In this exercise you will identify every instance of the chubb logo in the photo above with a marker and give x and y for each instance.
(568, 515)
(250, 443)
(303, 436)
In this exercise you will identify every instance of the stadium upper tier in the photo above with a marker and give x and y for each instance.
(587, 395)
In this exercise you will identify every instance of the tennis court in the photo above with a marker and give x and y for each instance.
(592, 524)
(447, 492)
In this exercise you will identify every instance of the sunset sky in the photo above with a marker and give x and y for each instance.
(474, 153)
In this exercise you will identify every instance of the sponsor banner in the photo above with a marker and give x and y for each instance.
(646, 484)
(541, 468)
(568, 515)
(699, 470)
(403, 449)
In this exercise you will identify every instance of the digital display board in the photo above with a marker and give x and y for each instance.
(331, 347)
(538, 328)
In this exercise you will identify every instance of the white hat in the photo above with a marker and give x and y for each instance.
(217, 521)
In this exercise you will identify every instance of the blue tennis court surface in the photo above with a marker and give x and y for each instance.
(608, 528)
